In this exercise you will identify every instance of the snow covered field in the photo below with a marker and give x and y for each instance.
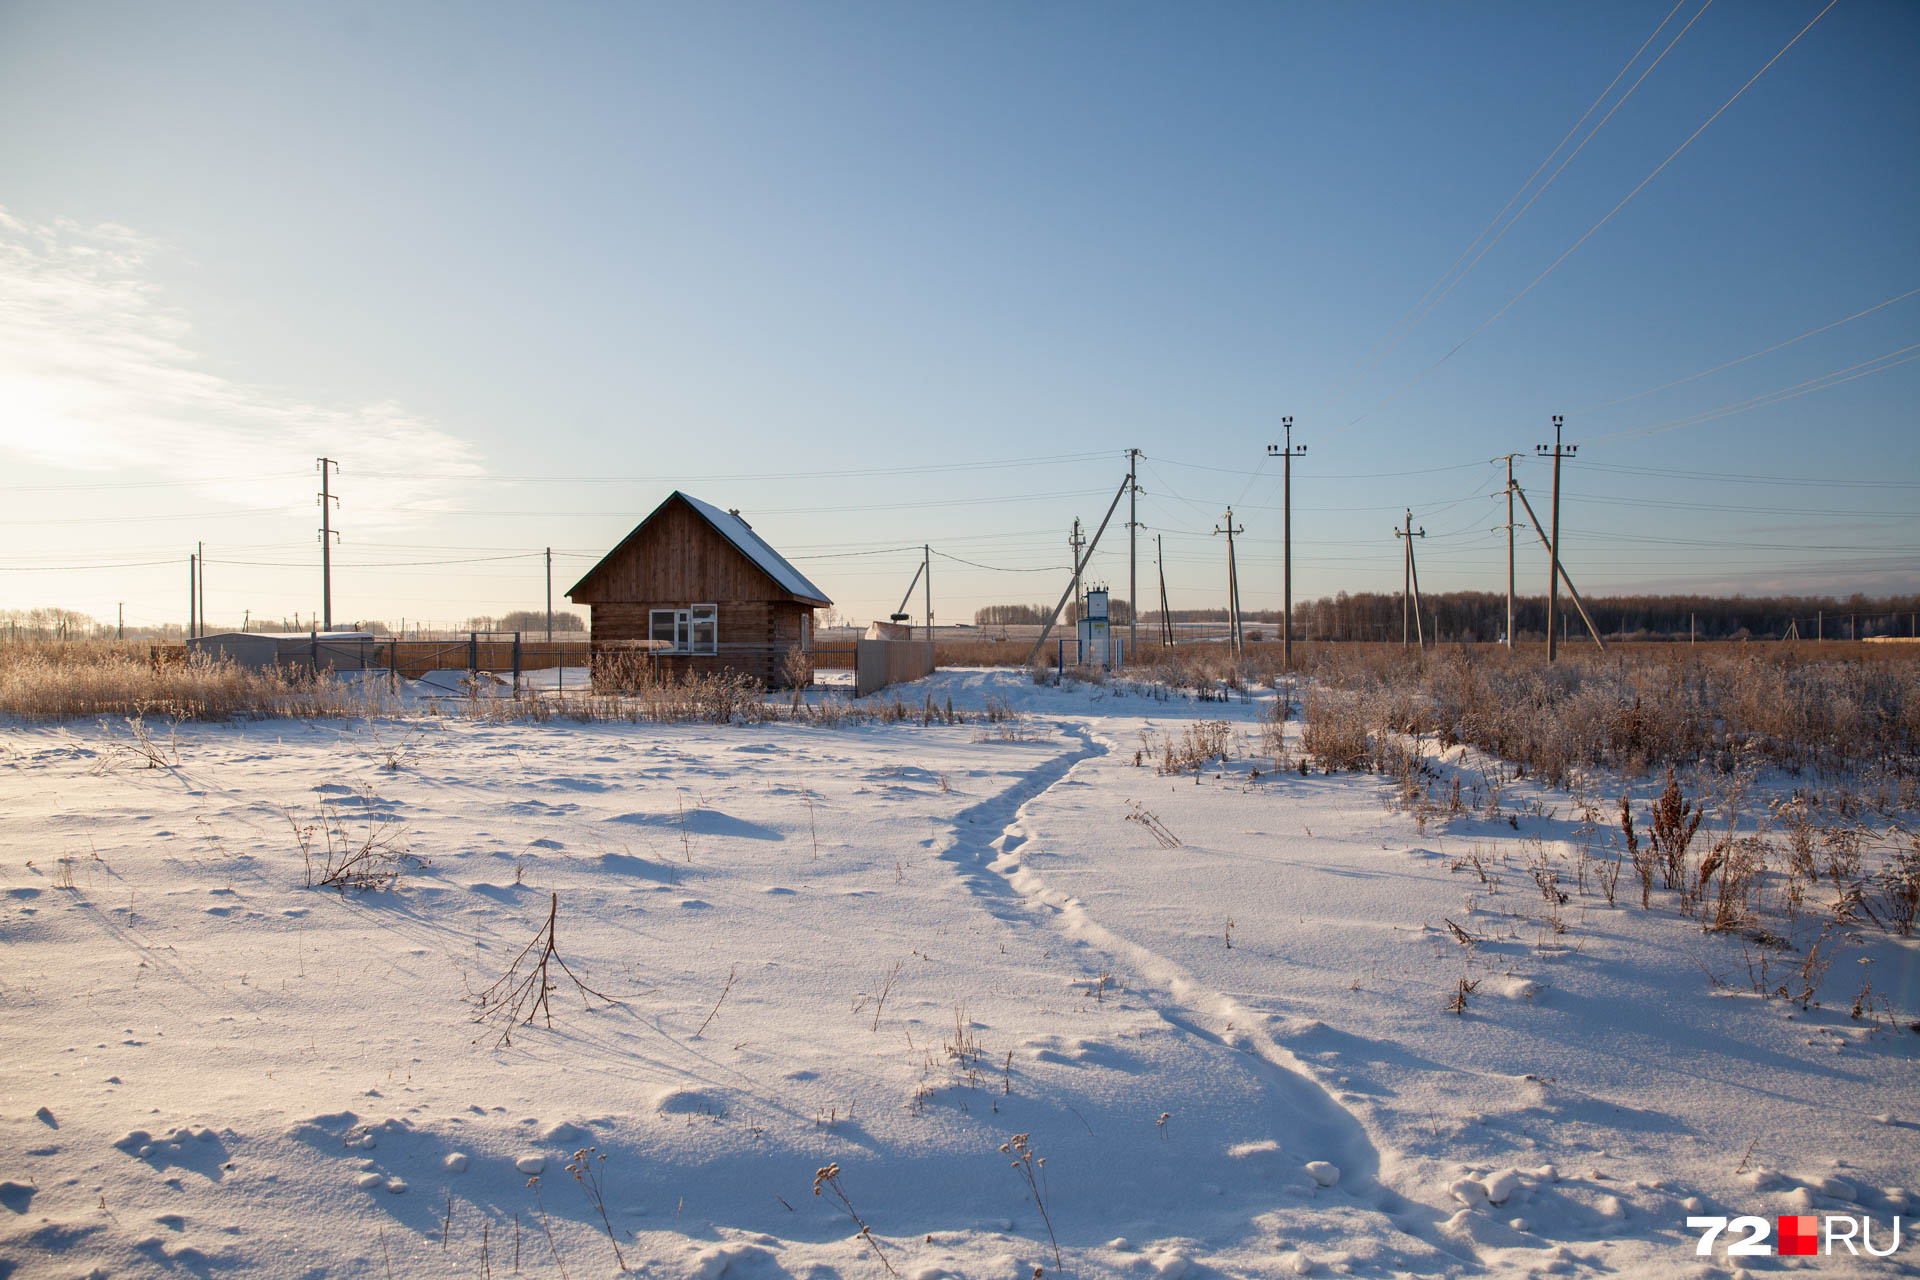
(889, 948)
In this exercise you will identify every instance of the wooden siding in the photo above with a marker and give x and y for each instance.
(754, 635)
(676, 556)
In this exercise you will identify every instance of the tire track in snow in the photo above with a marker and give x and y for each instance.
(985, 851)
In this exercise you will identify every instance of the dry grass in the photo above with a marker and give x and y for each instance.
(1821, 708)
(90, 680)
(62, 681)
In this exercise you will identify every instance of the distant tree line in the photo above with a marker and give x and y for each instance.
(1465, 616)
(1020, 615)
(527, 620)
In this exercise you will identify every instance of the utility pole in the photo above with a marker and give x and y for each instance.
(1078, 565)
(926, 568)
(1287, 452)
(1133, 552)
(201, 598)
(1566, 579)
(1233, 584)
(327, 535)
(549, 597)
(1557, 451)
(1508, 459)
(1166, 614)
(1074, 542)
(120, 625)
(1409, 583)
(193, 594)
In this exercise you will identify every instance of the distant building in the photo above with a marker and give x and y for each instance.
(695, 589)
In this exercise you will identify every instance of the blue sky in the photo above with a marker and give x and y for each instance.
(525, 269)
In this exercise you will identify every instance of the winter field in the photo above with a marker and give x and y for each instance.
(1102, 979)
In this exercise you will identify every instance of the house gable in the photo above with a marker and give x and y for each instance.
(689, 551)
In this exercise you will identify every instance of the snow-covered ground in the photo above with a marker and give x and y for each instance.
(888, 948)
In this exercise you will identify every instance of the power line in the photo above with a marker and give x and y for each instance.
(1744, 543)
(1605, 218)
(1735, 477)
(377, 564)
(560, 512)
(1608, 404)
(75, 568)
(845, 473)
(1050, 568)
(842, 555)
(150, 484)
(1429, 306)
(1748, 507)
(1767, 399)
(1346, 475)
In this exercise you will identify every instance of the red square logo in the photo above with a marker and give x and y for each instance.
(1799, 1234)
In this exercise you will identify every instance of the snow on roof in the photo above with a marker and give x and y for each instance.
(741, 535)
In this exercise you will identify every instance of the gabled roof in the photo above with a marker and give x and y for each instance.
(734, 530)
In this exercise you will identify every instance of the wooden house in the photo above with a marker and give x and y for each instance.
(693, 589)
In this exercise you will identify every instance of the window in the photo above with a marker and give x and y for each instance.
(693, 630)
(668, 630)
(706, 628)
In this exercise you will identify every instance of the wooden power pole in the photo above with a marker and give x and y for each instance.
(327, 535)
(1166, 614)
(1410, 584)
(1556, 451)
(1233, 585)
(1508, 459)
(1133, 552)
(1287, 452)
(1079, 564)
(1074, 542)
(1566, 579)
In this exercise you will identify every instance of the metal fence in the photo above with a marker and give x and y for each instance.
(875, 663)
(879, 663)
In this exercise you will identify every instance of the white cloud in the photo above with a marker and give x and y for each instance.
(98, 373)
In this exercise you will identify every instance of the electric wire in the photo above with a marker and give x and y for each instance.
(1768, 399)
(1666, 386)
(1588, 234)
(1538, 192)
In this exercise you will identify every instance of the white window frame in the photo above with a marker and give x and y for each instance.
(709, 614)
(678, 624)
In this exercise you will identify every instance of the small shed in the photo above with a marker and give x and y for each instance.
(693, 589)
